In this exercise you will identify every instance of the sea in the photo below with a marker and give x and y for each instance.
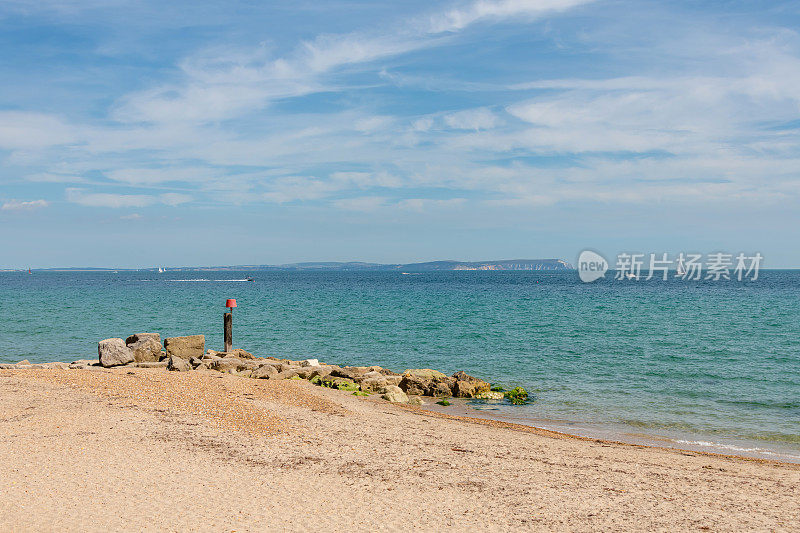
(696, 365)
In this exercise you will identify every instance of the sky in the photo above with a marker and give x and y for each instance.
(138, 134)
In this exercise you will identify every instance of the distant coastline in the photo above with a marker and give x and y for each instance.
(429, 266)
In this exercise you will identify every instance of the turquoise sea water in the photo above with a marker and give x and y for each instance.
(706, 365)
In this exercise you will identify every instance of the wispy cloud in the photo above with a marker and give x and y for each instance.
(116, 201)
(17, 205)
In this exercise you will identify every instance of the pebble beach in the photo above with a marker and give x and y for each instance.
(98, 449)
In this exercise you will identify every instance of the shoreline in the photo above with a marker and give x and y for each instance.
(606, 433)
(146, 445)
(617, 434)
(550, 433)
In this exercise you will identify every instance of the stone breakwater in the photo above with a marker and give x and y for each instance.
(188, 354)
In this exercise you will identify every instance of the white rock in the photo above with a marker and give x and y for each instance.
(114, 352)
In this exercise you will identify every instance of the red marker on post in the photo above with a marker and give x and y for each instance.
(228, 324)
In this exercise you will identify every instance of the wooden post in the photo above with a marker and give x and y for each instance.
(228, 320)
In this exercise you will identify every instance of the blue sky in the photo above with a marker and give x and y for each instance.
(134, 134)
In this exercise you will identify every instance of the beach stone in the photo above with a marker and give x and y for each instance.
(334, 382)
(55, 365)
(441, 389)
(490, 395)
(378, 385)
(152, 364)
(178, 364)
(185, 347)
(395, 395)
(393, 379)
(467, 386)
(321, 371)
(308, 372)
(229, 365)
(145, 346)
(309, 362)
(87, 362)
(285, 374)
(241, 354)
(7, 366)
(114, 352)
(416, 401)
(24, 362)
(424, 373)
(264, 372)
(427, 382)
(355, 373)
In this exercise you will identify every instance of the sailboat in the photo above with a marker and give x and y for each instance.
(161, 270)
(29, 270)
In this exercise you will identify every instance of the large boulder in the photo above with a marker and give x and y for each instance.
(114, 352)
(395, 395)
(467, 386)
(178, 365)
(145, 346)
(374, 385)
(427, 382)
(320, 371)
(238, 352)
(185, 347)
(355, 373)
(264, 372)
(230, 365)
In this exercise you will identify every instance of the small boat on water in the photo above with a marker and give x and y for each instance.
(249, 279)
(161, 270)
(29, 270)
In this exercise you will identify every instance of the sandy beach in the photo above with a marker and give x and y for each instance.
(142, 449)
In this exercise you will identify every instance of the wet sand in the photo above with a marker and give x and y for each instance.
(146, 449)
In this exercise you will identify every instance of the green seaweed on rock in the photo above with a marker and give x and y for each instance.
(517, 396)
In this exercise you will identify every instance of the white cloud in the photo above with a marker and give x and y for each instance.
(472, 119)
(362, 203)
(152, 176)
(174, 198)
(423, 204)
(460, 18)
(116, 201)
(17, 205)
(223, 83)
(50, 177)
(132, 216)
(26, 130)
